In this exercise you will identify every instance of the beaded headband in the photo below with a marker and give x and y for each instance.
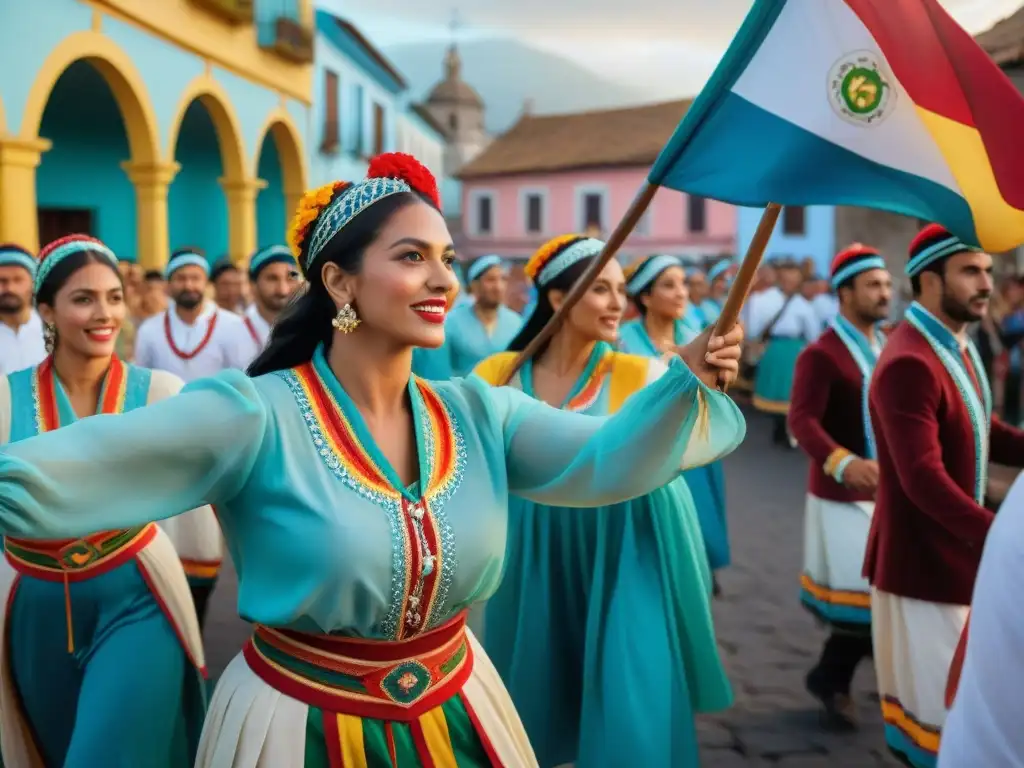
(15, 256)
(719, 269)
(185, 259)
(586, 248)
(57, 251)
(352, 201)
(649, 271)
(272, 255)
(481, 265)
(853, 260)
(932, 244)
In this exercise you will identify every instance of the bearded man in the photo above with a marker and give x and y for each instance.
(931, 410)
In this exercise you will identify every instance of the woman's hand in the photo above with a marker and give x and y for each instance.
(714, 359)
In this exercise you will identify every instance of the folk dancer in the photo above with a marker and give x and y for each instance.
(583, 592)
(192, 339)
(229, 287)
(658, 289)
(274, 276)
(782, 322)
(697, 288)
(931, 409)
(982, 727)
(21, 329)
(366, 509)
(829, 419)
(103, 661)
(719, 279)
(486, 326)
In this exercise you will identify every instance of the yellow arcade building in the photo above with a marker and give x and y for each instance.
(154, 124)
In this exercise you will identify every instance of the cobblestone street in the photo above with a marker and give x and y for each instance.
(767, 640)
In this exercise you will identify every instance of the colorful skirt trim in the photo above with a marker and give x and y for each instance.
(832, 586)
(295, 700)
(914, 642)
(78, 560)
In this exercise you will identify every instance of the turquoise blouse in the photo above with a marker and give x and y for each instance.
(468, 341)
(634, 339)
(322, 533)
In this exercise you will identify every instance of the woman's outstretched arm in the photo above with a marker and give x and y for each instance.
(568, 459)
(109, 472)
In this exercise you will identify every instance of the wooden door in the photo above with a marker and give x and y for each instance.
(55, 223)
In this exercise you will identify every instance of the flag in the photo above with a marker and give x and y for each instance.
(884, 104)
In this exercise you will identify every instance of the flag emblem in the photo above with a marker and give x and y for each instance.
(860, 90)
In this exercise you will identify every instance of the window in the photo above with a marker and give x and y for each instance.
(332, 130)
(359, 120)
(593, 210)
(696, 213)
(484, 215)
(793, 220)
(534, 213)
(453, 121)
(378, 129)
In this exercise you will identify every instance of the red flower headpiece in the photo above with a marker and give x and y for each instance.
(398, 165)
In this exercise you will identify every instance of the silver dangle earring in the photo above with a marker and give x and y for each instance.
(49, 337)
(346, 320)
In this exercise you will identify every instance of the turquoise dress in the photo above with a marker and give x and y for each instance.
(707, 483)
(468, 341)
(100, 670)
(432, 364)
(710, 309)
(694, 317)
(334, 551)
(602, 628)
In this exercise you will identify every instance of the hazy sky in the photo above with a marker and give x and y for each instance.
(672, 44)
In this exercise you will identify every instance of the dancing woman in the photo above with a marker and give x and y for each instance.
(364, 508)
(102, 661)
(658, 289)
(601, 628)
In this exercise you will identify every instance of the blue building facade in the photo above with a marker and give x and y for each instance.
(154, 125)
(800, 233)
(362, 107)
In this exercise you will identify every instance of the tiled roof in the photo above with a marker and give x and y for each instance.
(1004, 42)
(599, 139)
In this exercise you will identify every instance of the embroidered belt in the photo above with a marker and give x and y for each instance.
(380, 679)
(77, 559)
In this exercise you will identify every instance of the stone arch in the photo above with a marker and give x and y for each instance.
(121, 76)
(215, 99)
(279, 166)
(286, 135)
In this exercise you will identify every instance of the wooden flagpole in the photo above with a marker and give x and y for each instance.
(748, 271)
(633, 214)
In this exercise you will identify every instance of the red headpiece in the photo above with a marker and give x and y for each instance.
(851, 252)
(398, 165)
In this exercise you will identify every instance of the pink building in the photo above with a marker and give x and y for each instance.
(557, 174)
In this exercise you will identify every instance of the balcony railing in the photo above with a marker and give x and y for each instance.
(231, 11)
(282, 31)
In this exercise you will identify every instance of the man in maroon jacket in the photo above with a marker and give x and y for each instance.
(828, 416)
(931, 408)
